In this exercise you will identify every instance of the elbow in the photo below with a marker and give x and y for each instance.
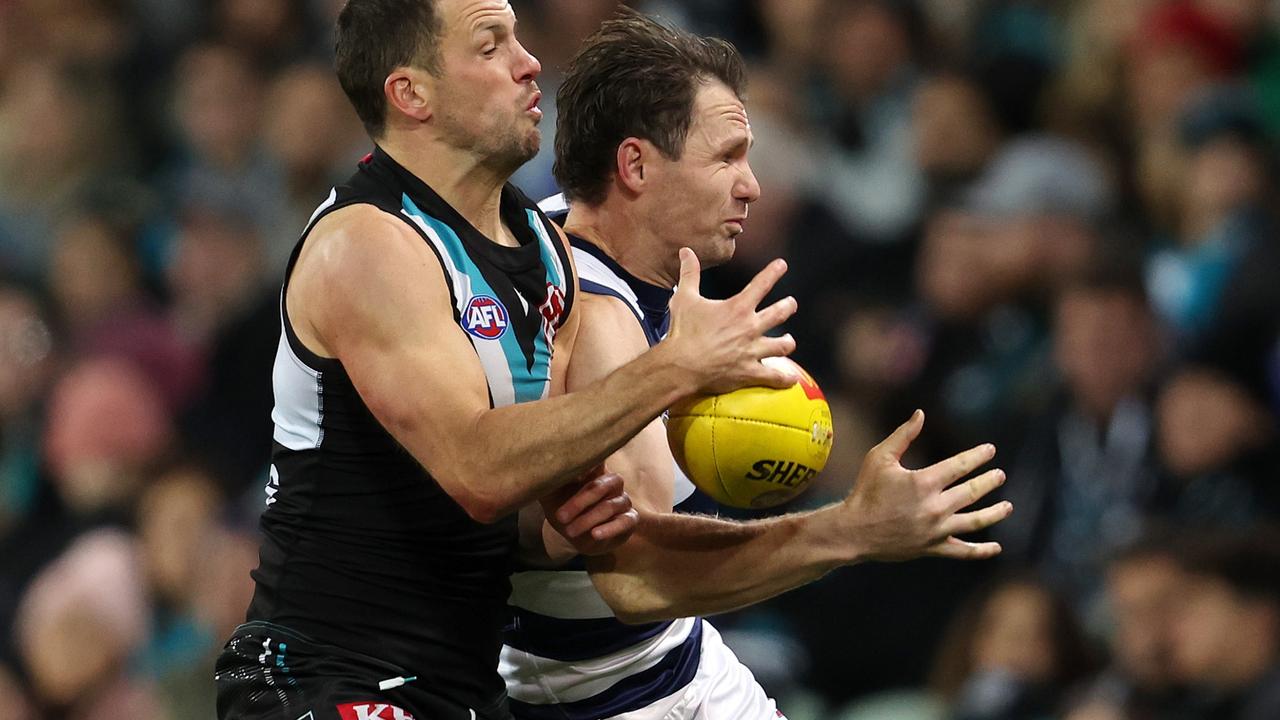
(484, 513)
(640, 616)
(481, 508)
(631, 609)
(638, 611)
(481, 501)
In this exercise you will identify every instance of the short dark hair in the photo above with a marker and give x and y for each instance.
(635, 77)
(373, 38)
(1111, 274)
(1247, 561)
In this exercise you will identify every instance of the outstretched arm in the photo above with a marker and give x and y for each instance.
(677, 565)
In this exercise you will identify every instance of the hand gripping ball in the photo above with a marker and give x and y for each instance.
(755, 447)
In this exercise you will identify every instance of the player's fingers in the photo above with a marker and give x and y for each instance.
(972, 490)
(772, 376)
(776, 314)
(620, 527)
(690, 273)
(598, 514)
(945, 472)
(957, 549)
(899, 440)
(594, 472)
(767, 347)
(762, 283)
(971, 522)
(590, 493)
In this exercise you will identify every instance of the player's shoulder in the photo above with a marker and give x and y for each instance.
(608, 308)
(360, 240)
(360, 219)
(610, 327)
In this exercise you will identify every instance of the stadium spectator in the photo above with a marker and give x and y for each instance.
(1014, 652)
(1087, 466)
(1226, 630)
(1143, 583)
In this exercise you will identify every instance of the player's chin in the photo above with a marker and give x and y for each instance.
(719, 251)
(530, 145)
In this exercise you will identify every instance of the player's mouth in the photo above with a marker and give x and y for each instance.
(736, 225)
(532, 108)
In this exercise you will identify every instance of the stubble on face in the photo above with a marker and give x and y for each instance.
(503, 139)
(499, 141)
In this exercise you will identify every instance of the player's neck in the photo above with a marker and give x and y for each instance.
(459, 178)
(625, 240)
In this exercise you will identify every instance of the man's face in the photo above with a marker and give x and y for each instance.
(485, 95)
(1103, 346)
(1142, 594)
(701, 199)
(1213, 628)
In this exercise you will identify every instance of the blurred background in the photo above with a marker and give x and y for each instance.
(1050, 225)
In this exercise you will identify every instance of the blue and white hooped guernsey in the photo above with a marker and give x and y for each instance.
(565, 655)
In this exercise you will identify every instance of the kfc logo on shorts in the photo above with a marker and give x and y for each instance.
(485, 318)
(372, 711)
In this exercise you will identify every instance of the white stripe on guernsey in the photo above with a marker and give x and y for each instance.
(296, 386)
(333, 197)
(683, 485)
(299, 405)
(549, 249)
(564, 594)
(461, 282)
(492, 358)
(541, 681)
(553, 204)
(590, 268)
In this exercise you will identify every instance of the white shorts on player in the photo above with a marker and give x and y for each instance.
(723, 689)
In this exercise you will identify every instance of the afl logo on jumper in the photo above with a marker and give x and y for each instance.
(485, 318)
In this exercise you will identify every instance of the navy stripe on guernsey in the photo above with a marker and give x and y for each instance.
(361, 548)
(676, 670)
(566, 656)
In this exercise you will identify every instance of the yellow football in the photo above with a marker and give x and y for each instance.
(755, 447)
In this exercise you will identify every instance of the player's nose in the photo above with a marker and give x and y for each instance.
(747, 188)
(526, 67)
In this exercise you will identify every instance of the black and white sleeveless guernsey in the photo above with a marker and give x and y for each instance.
(362, 549)
(566, 656)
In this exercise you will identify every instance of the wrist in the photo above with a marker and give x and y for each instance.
(839, 539)
(675, 380)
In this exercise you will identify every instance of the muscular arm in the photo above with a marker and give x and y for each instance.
(680, 565)
(677, 565)
(367, 291)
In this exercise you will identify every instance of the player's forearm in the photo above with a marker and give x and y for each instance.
(522, 452)
(681, 565)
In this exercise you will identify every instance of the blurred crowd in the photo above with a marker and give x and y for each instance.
(1049, 224)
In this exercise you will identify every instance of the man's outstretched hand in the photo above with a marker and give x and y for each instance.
(894, 513)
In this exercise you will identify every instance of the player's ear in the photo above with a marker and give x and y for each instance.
(631, 157)
(408, 92)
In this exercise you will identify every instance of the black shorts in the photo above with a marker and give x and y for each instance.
(267, 672)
